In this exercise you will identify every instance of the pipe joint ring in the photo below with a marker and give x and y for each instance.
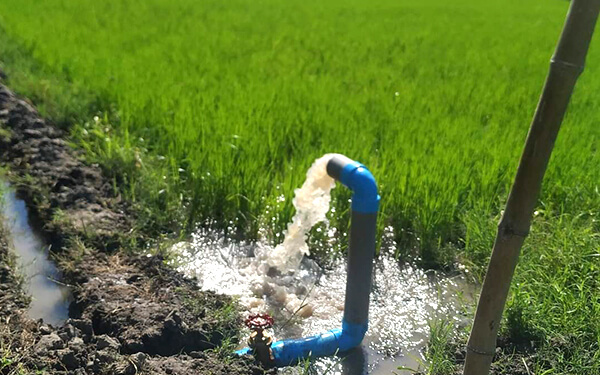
(480, 352)
(566, 65)
(508, 230)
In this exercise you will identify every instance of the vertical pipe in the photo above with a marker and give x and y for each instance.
(566, 66)
(360, 270)
(365, 204)
(356, 362)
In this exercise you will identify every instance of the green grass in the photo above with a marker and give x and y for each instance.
(556, 295)
(240, 107)
(439, 349)
(209, 111)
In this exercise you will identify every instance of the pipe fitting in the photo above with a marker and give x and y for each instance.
(352, 335)
(289, 352)
(357, 178)
(361, 251)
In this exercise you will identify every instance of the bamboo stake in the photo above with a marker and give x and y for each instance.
(565, 67)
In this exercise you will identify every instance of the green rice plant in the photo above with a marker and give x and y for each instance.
(230, 112)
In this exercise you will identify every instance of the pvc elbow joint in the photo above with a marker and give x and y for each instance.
(289, 352)
(362, 183)
(358, 179)
(352, 335)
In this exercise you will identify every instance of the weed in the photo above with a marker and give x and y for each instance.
(439, 350)
(225, 315)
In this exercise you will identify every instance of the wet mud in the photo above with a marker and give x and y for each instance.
(130, 314)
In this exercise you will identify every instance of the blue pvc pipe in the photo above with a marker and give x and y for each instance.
(365, 204)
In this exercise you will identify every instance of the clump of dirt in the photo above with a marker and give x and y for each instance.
(146, 306)
(131, 314)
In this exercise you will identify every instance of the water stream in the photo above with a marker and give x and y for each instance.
(49, 298)
(306, 299)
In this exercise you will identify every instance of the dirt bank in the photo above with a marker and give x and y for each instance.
(130, 314)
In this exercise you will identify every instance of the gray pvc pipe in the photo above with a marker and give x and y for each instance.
(360, 267)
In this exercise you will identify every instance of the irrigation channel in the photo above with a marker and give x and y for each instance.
(306, 299)
(49, 298)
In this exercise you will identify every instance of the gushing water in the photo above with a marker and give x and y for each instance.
(306, 300)
(258, 273)
(311, 202)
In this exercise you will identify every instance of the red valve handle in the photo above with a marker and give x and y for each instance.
(259, 321)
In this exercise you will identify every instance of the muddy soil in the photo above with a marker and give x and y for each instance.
(130, 314)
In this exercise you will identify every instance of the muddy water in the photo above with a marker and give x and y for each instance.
(49, 299)
(306, 299)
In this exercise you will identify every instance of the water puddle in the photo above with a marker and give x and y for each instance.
(306, 299)
(49, 298)
(311, 300)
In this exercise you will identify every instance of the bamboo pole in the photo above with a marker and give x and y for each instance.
(565, 67)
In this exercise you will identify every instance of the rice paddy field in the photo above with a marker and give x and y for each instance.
(210, 112)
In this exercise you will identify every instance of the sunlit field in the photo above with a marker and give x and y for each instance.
(210, 112)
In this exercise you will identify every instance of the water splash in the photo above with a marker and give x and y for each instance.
(306, 299)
